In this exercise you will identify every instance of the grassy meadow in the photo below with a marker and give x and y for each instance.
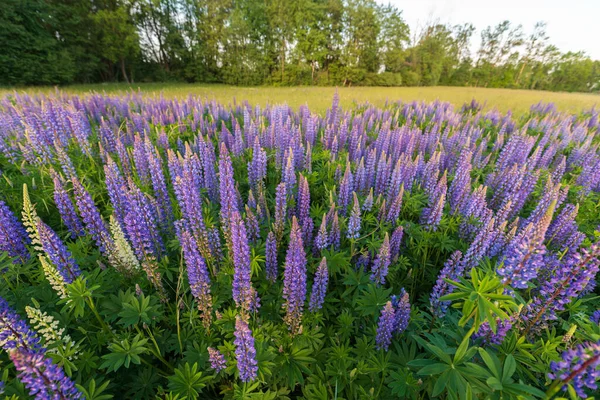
(319, 98)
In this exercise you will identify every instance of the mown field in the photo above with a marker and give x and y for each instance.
(319, 98)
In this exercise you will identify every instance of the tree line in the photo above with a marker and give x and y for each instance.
(273, 42)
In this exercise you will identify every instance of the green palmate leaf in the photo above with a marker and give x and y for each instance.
(481, 298)
(95, 392)
(187, 381)
(123, 353)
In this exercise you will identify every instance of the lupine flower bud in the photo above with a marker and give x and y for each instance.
(322, 238)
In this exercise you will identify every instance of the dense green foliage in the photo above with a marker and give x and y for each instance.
(279, 42)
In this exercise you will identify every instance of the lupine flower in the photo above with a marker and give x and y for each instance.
(289, 173)
(345, 190)
(564, 283)
(380, 266)
(595, 317)
(354, 221)
(13, 236)
(394, 211)
(453, 270)
(252, 226)
(271, 257)
(322, 238)
(159, 186)
(489, 337)
(334, 233)
(401, 305)
(303, 210)
(319, 288)
(92, 219)
(197, 272)
(294, 281)
(245, 353)
(579, 367)
(66, 209)
(242, 286)
(14, 331)
(368, 203)
(217, 360)
(44, 380)
(395, 242)
(386, 327)
(58, 254)
(227, 190)
(280, 210)
(257, 168)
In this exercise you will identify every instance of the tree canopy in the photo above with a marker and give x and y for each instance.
(273, 42)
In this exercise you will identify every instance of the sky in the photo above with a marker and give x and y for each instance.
(571, 24)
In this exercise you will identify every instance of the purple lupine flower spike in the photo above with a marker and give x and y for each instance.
(354, 221)
(322, 238)
(43, 379)
(13, 237)
(453, 270)
(319, 288)
(217, 360)
(395, 242)
(94, 224)
(66, 208)
(57, 253)
(401, 305)
(245, 353)
(242, 286)
(595, 317)
(579, 367)
(14, 331)
(271, 257)
(197, 272)
(280, 210)
(380, 266)
(334, 233)
(386, 327)
(294, 282)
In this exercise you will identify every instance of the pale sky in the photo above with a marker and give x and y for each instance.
(572, 25)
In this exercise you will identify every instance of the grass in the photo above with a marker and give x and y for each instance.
(319, 98)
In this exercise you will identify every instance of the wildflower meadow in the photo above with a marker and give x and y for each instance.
(184, 249)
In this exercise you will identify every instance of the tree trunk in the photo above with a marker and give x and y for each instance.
(124, 71)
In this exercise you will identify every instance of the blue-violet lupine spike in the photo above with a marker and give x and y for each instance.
(271, 257)
(380, 266)
(13, 237)
(354, 220)
(319, 288)
(385, 327)
(45, 381)
(401, 305)
(579, 367)
(242, 286)
(294, 282)
(14, 331)
(66, 209)
(58, 253)
(245, 353)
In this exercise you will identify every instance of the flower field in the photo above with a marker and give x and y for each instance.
(182, 249)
